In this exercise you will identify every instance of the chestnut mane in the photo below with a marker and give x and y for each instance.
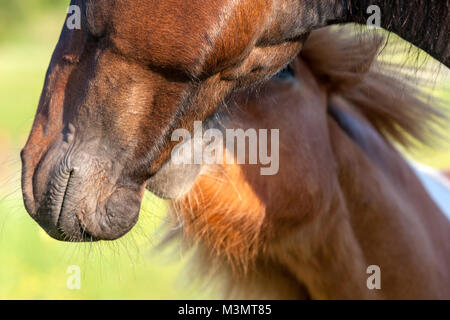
(226, 221)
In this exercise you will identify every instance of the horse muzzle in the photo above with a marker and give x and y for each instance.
(76, 195)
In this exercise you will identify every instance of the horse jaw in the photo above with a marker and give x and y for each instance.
(173, 181)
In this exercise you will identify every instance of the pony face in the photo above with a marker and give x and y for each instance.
(118, 87)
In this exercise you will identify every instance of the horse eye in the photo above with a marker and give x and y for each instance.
(286, 72)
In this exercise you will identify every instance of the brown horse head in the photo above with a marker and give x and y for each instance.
(115, 91)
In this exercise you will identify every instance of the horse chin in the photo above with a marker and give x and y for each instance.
(116, 218)
(172, 181)
(89, 218)
(176, 177)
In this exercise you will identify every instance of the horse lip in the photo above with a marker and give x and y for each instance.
(85, 235)
(61, 207)
(54, 229)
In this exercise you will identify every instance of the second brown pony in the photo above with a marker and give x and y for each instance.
(344, 198)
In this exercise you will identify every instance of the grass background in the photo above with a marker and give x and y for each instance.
(33, 266)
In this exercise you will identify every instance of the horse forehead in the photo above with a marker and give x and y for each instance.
(186, 32)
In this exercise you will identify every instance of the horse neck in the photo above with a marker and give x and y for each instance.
(378, 214)
(350, 200)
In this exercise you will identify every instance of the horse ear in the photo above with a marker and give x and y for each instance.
(74, 35)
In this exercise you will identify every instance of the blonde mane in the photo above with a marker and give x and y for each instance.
(394, 102)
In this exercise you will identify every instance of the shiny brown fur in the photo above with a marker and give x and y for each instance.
(344, 198)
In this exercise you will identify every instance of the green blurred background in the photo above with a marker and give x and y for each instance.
(33, 266)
